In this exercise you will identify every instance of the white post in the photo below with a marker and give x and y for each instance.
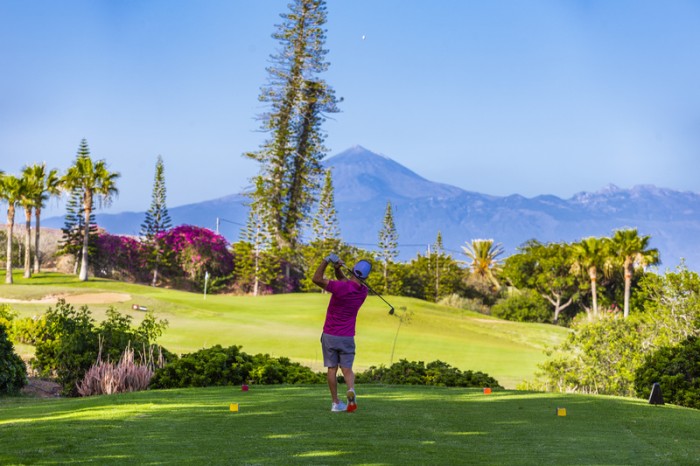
(206, 281)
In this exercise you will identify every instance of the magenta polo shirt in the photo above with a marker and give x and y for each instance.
(346, 299)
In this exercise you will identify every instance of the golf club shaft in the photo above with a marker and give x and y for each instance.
(368, 287)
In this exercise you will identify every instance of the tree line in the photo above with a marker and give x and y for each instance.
(86, 181)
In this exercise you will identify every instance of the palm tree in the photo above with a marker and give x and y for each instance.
(10, 192)
(27, 195)
(484, 260)
(590, 254)
(95, 182)
(632, 251)
(47, 184)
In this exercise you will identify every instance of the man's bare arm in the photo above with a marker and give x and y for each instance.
(339, 271)
(318, 275)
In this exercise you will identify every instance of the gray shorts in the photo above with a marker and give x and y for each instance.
(338, 351)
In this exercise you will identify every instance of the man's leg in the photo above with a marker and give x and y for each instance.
(333, 382)
(350, 381)
(349, 377)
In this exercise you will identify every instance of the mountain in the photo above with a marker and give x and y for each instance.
(365, 181)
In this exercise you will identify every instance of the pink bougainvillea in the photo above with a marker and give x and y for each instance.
(120, 257)
(185, 251)
(197, 250)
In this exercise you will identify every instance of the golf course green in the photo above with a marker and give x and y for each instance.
(290, 325)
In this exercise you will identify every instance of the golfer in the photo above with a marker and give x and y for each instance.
(338, 337)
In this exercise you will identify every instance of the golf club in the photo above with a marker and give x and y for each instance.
(391, 308)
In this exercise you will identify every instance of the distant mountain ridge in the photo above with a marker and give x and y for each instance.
(365, 181)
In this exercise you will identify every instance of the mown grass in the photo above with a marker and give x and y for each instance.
(290, 325)
(393, 425)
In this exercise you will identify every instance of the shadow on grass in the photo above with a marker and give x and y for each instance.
(393, 425)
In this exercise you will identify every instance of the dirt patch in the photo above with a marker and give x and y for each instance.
(85, 298)
(41, 388)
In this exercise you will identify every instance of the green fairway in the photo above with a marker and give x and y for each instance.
(393, 425)
(290, 325)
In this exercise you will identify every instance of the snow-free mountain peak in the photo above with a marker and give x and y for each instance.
(365, 175)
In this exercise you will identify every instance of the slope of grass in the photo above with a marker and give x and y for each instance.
(393, 425)
(290, 325)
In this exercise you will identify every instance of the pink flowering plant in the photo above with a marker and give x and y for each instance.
(119, 257)
(193, 251)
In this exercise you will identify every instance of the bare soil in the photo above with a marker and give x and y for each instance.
(41, 388)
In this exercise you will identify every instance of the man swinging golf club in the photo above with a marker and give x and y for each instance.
(338, 337)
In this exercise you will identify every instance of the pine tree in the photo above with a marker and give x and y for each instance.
(255, 264)
(157, 220)
(325, 222)
(290, 160)
(388, 243)
(73, 229)
(438, 251)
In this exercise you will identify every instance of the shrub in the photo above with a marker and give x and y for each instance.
(28, 330)
(128, 375)
(120, 257)
(525, 306)
(209, 366)
(13, 372)
(7, 315)
(436, 373)
(193, 250)
(218, 366)
(72, 342)
(676, 369)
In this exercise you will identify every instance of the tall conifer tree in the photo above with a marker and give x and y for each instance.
(255, 265)
(325, 222)
(157, 220)
(388, 243)
(290, 167)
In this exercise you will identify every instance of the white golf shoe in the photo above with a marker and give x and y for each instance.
(338, 407)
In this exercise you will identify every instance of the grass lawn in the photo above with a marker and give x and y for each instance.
(393, 425)
(290, 325)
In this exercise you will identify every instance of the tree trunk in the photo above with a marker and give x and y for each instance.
(27, 243)
(628, 286)
(154, 282)
(386, 277)
(256, 282)
(558, 307)
(10, 228)
(594, 290)
(86, 237)
(37, 237)
(437, 276)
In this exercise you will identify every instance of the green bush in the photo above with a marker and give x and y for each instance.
(436, 373)
(525, 306)
(72, 342)
(676, 369)
(13, 372)
(7, 315)
(28, 330)
(218, 366)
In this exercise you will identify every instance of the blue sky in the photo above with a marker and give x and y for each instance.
(498, 97)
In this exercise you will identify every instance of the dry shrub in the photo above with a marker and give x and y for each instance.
(106, 378)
